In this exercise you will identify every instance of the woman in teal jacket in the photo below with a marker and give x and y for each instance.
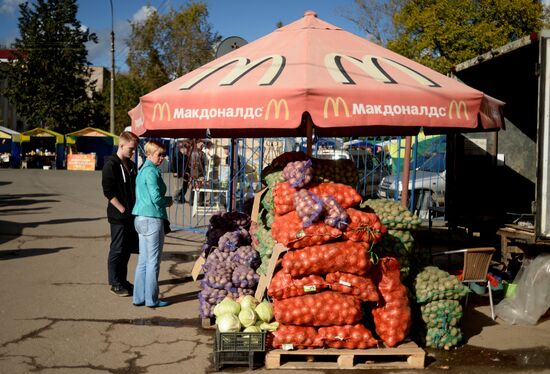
(150, 212)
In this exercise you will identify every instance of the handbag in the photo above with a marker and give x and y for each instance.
(167, 228)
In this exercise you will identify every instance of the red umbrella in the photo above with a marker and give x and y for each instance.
(347, 84)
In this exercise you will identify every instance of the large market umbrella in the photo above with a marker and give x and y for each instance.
(312, 74)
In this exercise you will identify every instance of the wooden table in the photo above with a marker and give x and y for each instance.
(512, 240)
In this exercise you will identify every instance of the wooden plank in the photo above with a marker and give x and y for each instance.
(197, 267)
(265, 280)
(405, 356)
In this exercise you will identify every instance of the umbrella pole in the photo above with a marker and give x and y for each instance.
(309, 134)
(406, 171)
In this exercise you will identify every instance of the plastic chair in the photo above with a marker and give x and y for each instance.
(476, 267)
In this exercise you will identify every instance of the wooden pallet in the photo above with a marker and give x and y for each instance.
(405, 356)
(208, 323)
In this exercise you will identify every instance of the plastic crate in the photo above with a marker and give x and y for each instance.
(238, 348)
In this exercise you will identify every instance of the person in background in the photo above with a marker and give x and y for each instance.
(197, 165)
(118, 182)
(180, 170)
(150, 212)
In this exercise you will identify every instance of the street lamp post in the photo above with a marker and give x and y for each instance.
(112, 108)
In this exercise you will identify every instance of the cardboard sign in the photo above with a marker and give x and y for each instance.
(80, 161)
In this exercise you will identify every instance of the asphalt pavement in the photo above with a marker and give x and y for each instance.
(58, 316)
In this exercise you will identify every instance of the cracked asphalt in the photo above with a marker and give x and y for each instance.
(58, 316)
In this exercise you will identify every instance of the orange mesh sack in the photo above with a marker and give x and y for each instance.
(322, 309)
(283, 285)
(361, 287)
(291, 337)
(364, 227)
(392, 317)
(289, 231)
(345, 256)
(283, 198)
(347, 336)
(345, 195)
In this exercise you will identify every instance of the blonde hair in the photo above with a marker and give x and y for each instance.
(153, 146)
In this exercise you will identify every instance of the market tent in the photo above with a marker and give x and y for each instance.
(43, 147)
(91, 140)
(10, 143)
(311, 74)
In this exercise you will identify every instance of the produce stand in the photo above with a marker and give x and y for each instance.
(88, 147)
(42, 148)
(283, 102)
(10, 148)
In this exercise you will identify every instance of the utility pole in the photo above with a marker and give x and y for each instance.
(112, 108)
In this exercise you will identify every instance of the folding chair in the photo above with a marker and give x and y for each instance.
(475, 269)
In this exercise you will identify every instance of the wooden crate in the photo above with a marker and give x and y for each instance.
(404, 356)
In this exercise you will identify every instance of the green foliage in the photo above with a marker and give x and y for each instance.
(47, 82)
(167, 46)
(443, 33)
(128, 89)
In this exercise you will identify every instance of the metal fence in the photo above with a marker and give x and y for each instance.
(210, 184)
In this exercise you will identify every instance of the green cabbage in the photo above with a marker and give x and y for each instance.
(264, 310)
(269, 326)
(252, 329)
(249, 301)
(228, 323)
(227, 305)
(247, 317)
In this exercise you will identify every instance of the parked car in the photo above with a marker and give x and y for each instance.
(429, 185)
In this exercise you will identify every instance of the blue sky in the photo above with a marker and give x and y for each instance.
(249, 19)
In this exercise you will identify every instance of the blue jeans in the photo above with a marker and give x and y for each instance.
(151, 239)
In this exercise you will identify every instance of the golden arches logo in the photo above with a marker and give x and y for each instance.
(277, 105)
(160, 108)
(457, 106)
(335, 106)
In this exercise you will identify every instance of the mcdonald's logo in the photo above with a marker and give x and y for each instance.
(160, 108)
(277, 105)
(335, 106)
(457, 106)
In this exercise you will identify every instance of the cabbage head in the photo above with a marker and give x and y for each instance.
(252, 329)
(247, 317)
(227, 305)
(264, 310)
(248, 301)
(228, 322)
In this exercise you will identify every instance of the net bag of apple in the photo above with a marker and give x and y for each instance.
(348, 336)
(346, 256)
(361, 287)
(392, 315)
(289, 337)
(283, 285)
(322, 309)
(289, 231)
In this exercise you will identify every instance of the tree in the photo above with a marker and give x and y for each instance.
(128, 90)
(374, 18)
(166, 46)
(443, 33)
(48, 82)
